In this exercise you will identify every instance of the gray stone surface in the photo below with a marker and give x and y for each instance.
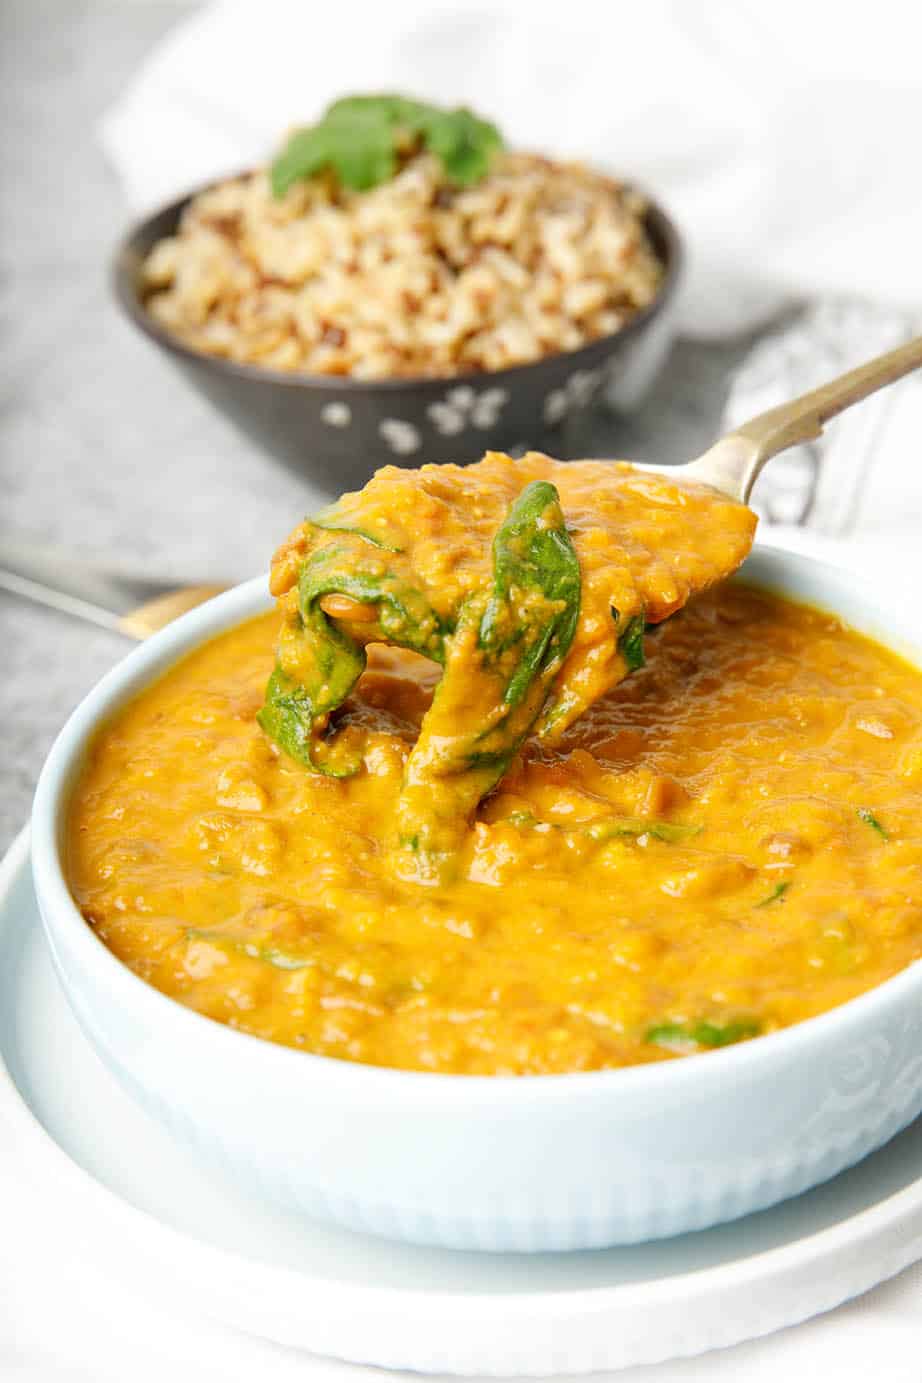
(103, 451)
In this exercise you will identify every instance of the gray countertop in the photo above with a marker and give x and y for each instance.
(103, 450)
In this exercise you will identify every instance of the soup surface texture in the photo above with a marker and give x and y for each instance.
(726, 843)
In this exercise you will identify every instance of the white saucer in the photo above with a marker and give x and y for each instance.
(173, 1228)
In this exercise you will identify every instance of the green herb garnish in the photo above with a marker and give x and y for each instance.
(682, 1037)
(776, 895)
(867, 816)
(360, 140)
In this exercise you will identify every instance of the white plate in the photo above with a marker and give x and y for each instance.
(175, 1228)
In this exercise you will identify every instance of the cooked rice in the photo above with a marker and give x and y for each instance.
(414, 277)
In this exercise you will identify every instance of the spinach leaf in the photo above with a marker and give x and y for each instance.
(535, 567)
(776, 895)
(608, 828)
(320, 660)
(568, 702)
(290, 714)
(501, 650)
(276, 956)
(345, 567)
(327, 522)
(506, 650)
(605, 828)
(630, 643)
(867, 816)
(681, 1037)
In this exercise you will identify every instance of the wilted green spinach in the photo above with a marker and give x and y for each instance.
(501, 649)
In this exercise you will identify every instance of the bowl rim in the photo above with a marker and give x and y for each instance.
(124, 284)
(148, 662)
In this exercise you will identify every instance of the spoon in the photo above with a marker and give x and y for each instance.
(139, 607)
(107, 595)
(733, 464)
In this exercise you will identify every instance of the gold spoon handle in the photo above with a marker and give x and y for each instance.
(733, 464)
(154, 615)
(115, 599)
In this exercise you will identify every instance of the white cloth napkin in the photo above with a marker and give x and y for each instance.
(783, 137)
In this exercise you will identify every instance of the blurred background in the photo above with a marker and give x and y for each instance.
(785, 150)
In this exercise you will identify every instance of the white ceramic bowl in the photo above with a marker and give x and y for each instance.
(499, 1163)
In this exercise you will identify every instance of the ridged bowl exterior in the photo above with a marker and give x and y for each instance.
(525, 1164)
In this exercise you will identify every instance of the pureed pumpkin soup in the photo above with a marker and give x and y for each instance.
(720, 845)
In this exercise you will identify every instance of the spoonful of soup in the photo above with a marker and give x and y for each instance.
(532, 582)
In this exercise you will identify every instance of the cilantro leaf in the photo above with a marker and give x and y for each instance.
(464, 143)
(358, 150)
(359, 139)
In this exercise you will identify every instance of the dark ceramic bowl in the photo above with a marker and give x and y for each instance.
(338, 430)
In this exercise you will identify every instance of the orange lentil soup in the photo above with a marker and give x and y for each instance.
(530, 581)
(725, 844)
